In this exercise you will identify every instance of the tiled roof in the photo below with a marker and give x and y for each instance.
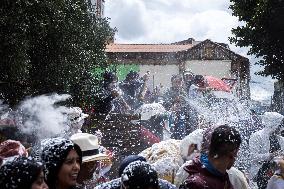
(146, 47)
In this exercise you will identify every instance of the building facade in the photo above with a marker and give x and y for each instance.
(96, 7)
(164, 60)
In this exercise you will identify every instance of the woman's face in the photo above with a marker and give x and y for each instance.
(39, 182)
(68, 173)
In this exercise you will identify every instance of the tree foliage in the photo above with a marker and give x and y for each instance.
(262, 31)
(50, 46)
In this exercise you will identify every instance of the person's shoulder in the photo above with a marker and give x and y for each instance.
(196, 178)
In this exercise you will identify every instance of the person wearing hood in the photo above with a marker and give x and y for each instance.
(22, 173)
(265, 144)
(62, 162)
(116, 183)
(210, 170)
(236, 177)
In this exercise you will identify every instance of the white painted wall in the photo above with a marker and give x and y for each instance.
(216, 68)
(162, 75)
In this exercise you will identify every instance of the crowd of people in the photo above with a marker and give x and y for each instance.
(77, 161)
(206, 156)
(127, 96)
(71, 163)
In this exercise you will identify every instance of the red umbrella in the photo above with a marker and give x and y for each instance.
(217, 84)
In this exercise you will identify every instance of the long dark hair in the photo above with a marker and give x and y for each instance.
(54, 155)
(20, 173)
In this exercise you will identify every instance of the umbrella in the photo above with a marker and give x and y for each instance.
(217, 84)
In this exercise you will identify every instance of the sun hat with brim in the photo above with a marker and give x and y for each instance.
(89, 145)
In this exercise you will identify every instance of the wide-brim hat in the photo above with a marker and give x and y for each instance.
(97, 157)
(89, 145)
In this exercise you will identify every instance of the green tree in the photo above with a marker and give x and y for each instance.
(50, 46)
(14, 60)
(262, 31)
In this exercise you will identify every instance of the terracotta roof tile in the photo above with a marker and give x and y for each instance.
(147, 47)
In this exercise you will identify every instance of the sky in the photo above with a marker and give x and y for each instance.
(166, 21)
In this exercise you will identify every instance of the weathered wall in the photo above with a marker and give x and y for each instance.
(159, 75)
(217, 68)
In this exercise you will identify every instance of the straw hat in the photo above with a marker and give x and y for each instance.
(89, 145)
